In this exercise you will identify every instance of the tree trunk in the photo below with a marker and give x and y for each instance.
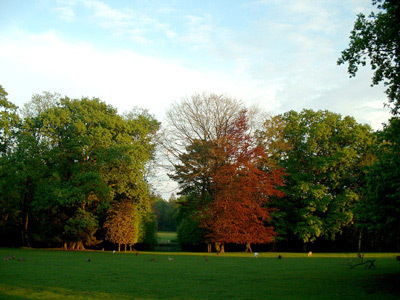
(125, 248)
(217, 247)
(24, 206)
(26, 236)
(248, 248)
(222, 248)
(359, 242)
(209, 248)
(72, 245)
(80, 246)
(119, 247)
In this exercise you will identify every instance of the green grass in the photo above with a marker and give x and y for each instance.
(53, 274)
(166, 237)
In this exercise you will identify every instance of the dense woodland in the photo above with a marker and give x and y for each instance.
(74, 173)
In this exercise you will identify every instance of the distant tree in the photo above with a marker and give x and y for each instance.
(166, 212)
(243, 184)
(324, 156)
(376, 40)
(148, 230)
(190, 235)
(122, 224)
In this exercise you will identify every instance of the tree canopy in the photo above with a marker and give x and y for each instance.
(242, 186)
(376, 39)
(323, 155)
(71, 160)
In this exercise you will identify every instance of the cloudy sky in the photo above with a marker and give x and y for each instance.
(278, 54)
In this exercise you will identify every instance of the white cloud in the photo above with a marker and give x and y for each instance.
(65, 9)
(66, 13)
(121, 78)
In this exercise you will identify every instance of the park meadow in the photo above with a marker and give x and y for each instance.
(57, 274)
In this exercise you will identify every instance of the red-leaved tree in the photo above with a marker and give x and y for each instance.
(243, 183)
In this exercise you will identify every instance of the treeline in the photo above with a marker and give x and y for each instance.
(309, 179)
(73, 174)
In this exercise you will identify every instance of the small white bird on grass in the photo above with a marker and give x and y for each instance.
(170, 258)
(255, 254)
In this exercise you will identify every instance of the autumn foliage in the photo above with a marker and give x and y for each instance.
(121, 225)
(243, 183)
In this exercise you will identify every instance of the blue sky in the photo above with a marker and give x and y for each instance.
(277, 54)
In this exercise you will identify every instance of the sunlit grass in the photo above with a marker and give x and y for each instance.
(68, 275)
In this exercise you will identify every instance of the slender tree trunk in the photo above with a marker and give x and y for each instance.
(359, 241)
(119, 247)
(125, 248)
(26, 236)
(24, 205)
(248, 248)
(222, 248)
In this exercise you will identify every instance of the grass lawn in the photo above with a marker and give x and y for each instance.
(166, 237)
(48, 274)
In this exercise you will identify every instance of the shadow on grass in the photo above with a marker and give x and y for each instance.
(388, 283)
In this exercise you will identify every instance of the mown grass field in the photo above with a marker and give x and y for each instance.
(52, 274)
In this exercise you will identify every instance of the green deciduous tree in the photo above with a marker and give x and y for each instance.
(71, 160)
(376, 39)
(323, 155)
(379, 213)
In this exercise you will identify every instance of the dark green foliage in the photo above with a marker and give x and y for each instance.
(376, 39)
(148, 231)
(380, 212)
(166, 212)
(190, 236)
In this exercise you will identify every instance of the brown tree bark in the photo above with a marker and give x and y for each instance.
(248, 248)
